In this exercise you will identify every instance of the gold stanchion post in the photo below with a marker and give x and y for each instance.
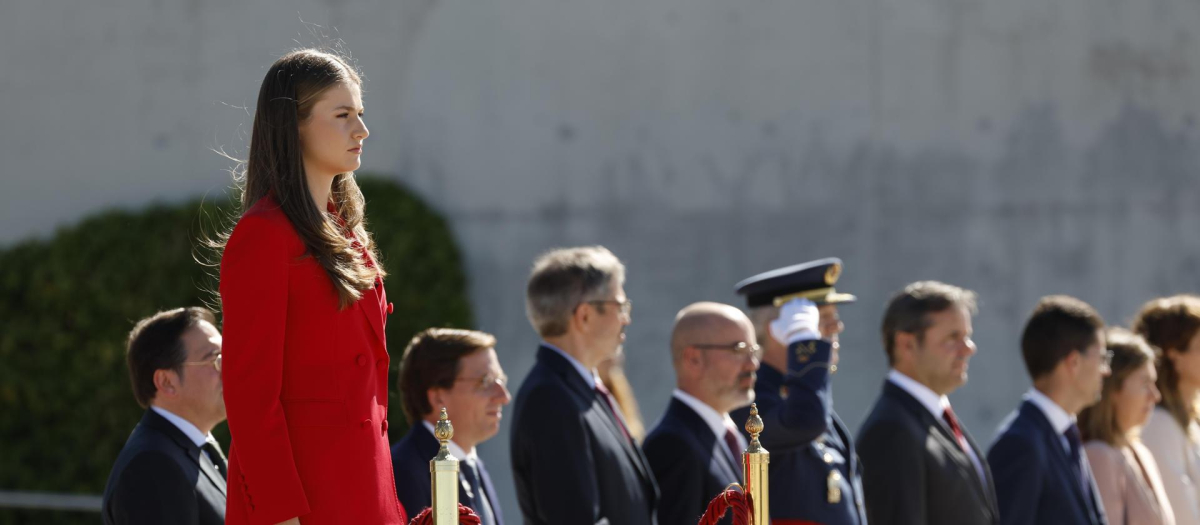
(443, 473)
(755, 471)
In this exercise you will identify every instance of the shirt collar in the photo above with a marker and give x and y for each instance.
(183, 425)
(716, 421)
(1059, 418)
(453, 447)
(931, 400)
(588, 375)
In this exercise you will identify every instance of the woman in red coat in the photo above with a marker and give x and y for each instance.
(305, 364)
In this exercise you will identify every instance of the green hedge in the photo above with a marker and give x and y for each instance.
(67, 303)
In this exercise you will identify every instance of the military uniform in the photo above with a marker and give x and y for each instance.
(814, 473)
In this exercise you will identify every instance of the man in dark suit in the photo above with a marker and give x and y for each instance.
(695, 450)
(456, 370)
(815, 476)
(573, 459)
(1042, 475)
(171, 470)
(920, 464)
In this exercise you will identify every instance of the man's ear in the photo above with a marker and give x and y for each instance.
(905, 343)
(436, 398)
(166, 382)
(581, 316)
(1072, 361)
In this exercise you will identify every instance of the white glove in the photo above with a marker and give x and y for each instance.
(799, 320)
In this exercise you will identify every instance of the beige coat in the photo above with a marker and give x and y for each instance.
(1130, 485)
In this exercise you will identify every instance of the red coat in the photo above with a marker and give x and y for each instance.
(305, 385)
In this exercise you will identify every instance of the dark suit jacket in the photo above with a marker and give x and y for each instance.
(808, 442)
(1034, 480)
(691, 465)
(160, 477)
(914, 471)
(410, 462)
(571, 463)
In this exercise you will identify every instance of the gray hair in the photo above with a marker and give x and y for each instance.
(564, 278)
(909, 310)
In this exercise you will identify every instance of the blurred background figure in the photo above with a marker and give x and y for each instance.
(171, 469)
(815, 474)
(920, 465)
(1125, 471)
(612, 374)
(456, 370)
(696, 449)
(1172, 326)
(573, 457)
(1041, 473)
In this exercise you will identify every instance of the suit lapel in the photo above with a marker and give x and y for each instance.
(946, 436)
(490, 491)
(695, 426)
(1061, 458)
(564, 369)
(371, 306)
(152, 420)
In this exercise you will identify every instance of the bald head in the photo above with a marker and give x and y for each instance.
(715, 356)
(705, 322)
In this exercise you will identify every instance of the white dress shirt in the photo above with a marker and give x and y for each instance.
(716, 421)
(188, 430)
(1059, 419)
(937, 405)
(589, 376)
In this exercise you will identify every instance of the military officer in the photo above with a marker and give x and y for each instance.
(815, 476)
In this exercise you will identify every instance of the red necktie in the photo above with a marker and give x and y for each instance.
(948, 415)
(731, 441)
(612, 407)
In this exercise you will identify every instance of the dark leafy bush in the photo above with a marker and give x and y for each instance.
(68, 302)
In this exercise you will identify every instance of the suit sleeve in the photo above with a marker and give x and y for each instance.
(254, 299)
(806, 413)
(553, 452)
(893, 483)
(151, 490)
(1016, 470)
(681, 477)
(1108, 468)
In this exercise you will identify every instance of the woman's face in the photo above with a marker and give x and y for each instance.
(331, 138)
(1135, 398)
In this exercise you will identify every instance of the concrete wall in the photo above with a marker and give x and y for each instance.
(1017, 148)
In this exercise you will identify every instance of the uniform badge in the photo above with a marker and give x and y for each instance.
(834, 485)
(805, 351)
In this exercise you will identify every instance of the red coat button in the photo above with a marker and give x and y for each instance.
(384, 425)
(390, 308)
(361, 360)
(366, 423)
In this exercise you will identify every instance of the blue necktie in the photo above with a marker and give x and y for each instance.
(482, 506)
(1075, 441)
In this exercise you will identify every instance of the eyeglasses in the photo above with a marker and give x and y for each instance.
(740, 348)
(484, 384)
(215, 362)
(626, 306)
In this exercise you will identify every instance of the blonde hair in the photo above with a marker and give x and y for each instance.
(1130, 352)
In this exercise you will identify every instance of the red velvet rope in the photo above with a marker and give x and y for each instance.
(466, 516)
(733, 499)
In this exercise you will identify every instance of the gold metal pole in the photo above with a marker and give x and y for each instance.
(755, 463)
(443, 473)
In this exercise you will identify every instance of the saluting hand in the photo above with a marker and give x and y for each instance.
(799, 320)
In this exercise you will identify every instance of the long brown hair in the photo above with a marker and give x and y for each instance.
(1130, 352)
(1169, 324)
(275, 167)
